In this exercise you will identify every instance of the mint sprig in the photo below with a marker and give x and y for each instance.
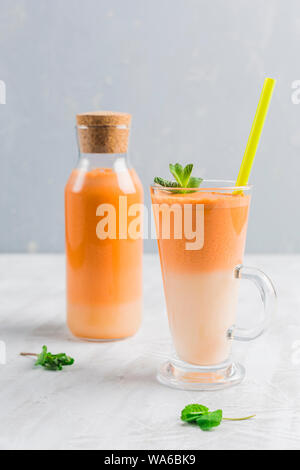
(51, 361)
(205, 419)
(182, 176)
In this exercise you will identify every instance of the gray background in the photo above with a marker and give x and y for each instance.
(190, 72)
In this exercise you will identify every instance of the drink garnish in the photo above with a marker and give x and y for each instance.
(205, 419)
(182, 176)
(51, 361)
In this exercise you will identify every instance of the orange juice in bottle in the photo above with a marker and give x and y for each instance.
(103, 217)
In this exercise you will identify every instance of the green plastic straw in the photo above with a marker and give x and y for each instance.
(256, 130)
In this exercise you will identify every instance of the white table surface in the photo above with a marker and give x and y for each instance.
(110, 398)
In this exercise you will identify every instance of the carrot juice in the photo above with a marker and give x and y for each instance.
(104, 257)
(200, 287)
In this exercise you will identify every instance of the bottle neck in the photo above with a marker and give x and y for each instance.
(92, 161)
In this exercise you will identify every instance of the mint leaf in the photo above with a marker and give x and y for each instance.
(166, 183)
(210, 420)
(56, 361)
(186, 175)
(194, 182)
(191, 412)
(177, 172)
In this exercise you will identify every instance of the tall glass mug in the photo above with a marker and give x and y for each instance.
(201, 239)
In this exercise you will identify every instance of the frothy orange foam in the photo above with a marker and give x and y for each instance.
(225, 226)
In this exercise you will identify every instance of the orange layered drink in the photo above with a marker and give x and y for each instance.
(201, 239)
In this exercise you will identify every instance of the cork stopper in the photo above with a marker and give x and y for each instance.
(103, 132)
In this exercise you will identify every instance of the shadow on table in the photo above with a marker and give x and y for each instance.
(50, 330)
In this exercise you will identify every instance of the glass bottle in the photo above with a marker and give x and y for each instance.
(104, 242)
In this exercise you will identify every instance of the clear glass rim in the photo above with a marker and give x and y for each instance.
(220, 185)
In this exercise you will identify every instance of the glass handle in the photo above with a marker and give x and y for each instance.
(268, 297)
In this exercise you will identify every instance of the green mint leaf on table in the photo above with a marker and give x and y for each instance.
(210, 420)
(51, 361)
(205, 419)
(182, 176)
(191, 412)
